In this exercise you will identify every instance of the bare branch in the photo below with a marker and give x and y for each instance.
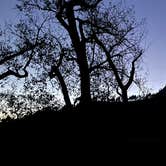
(18, 53)
(98, 66)
(132, 72)
(12, 73)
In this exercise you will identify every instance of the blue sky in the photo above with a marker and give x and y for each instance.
(7, 11)
(155, 12)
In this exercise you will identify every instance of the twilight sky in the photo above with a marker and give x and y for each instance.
(155, 12)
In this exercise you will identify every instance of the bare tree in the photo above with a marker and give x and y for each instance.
(119, 35)
(66, 13)
(87, 24)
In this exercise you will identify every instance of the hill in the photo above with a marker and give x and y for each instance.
(137, 120)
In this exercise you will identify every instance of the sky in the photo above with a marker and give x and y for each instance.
(155, 12)
(155, 56)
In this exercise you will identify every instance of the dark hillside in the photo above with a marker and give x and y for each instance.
(132, 122)
(91, 52)
(139, 120)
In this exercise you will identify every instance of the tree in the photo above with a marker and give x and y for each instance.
(66, 14)
(104, 44)
(119, 35)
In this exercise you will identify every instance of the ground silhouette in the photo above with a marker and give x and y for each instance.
(132, 122)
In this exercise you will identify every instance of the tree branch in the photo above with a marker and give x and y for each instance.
(97, 66)
(132, 72)
(12, 73)
(16, 54)
(84, 4)
(111, 64)
(63, 23)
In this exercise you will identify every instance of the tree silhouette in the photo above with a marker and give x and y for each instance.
(66, 15)
(83, 42)
(116, 33)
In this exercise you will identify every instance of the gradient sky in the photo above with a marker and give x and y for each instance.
(154, 11)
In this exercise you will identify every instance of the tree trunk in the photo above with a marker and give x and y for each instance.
(64, 89)
(124, 96)
(85, 79)
(80, 49)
